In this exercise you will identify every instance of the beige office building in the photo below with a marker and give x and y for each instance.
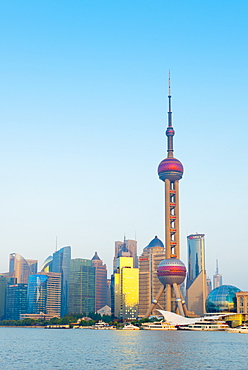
(21, 268)
(242, 303)
(149, 285)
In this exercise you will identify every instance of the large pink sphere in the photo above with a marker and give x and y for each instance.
(171, 271)
(170, 168)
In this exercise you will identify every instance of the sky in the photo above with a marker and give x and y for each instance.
(83, 112)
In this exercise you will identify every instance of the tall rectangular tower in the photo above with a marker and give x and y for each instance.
(101, 282)
(61, 264)
(44, 294)
(16, 301)
(196, 286)
(217, 278)
(149, 285)
(82, 286)
(126, 289)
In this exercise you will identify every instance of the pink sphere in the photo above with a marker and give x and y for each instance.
(170, 168)
(171, 271)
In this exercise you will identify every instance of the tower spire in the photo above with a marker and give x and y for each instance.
(169, 97)
(169, 132)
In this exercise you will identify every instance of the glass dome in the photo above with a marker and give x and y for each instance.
(222, 299)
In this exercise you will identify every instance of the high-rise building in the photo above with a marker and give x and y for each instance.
(20, 268)
(108, 292)
(217, 278)
(171, 271)
(44, 294)
(126, 289)
(61, 264)
(149, 284)
(196, 286)
(3, 289)
(47, 264)
(101, 282)
(128, 248)
(16, 301)
(242, 303)
(82, 286)
(209, 285)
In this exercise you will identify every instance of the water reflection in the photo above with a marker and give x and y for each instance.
(90, 349)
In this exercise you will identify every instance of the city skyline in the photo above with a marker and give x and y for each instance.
(84, 110)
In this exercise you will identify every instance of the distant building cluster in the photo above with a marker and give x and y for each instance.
(63, 286)
(80, 286)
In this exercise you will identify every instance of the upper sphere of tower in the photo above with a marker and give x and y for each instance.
(170, 131)
(170, 168)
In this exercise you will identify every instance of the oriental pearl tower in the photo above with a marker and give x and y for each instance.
(171, 271)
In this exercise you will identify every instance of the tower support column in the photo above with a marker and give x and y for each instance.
(177, 233)
(168, 297)
(167, 219)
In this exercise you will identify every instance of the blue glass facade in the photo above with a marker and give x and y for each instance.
(16, 301)
(61, 264)
(222, 299)
(196, 257)
(37, 294)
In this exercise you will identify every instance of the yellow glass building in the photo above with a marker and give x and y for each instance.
(126, 289)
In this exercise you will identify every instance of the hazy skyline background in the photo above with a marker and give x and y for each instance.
(83, 116)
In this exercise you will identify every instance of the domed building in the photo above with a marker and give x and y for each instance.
(154, 243)
(222, 299)
(149, 283)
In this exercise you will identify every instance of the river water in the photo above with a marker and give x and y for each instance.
(33, 348)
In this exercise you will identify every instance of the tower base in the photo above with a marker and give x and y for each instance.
(180, 303)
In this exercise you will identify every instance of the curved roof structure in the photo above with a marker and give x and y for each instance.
(156, 242)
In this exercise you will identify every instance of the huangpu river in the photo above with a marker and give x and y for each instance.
(35, 348)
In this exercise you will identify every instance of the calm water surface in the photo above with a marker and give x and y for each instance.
(27, 348)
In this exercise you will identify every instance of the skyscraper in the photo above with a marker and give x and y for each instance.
(217, 278)
(82, 286)
(171, 271)
(3, 288)
(128, 248)
(149, 284)
(126, 289)
(20, 268)
(47, 264)
(101, 282)
(61, 264)
(209, 285)
(44, 294)
(108, 301)
(196, 286)
(16, 301)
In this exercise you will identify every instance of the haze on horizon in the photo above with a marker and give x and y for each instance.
(83, 116)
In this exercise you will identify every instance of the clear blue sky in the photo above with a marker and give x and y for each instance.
(82, 119)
